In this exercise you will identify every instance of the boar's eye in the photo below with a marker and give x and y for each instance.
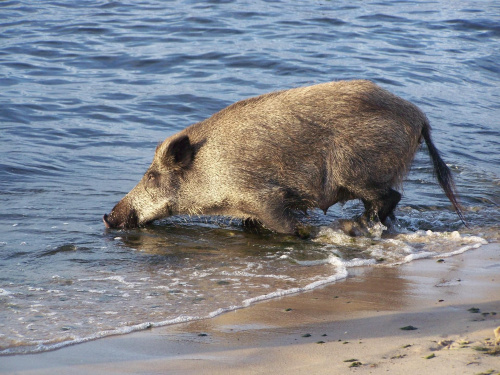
(152, 178)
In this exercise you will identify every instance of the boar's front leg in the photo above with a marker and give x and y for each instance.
(271, 213)
(280, 222)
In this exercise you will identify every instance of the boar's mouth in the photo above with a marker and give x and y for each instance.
(115, 221)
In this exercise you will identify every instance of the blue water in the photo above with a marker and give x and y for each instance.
(88, 88)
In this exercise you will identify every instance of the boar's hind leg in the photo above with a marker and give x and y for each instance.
(380, 208)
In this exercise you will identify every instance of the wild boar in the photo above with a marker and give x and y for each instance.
(270, 158)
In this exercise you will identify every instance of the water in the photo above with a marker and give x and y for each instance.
(88, 89)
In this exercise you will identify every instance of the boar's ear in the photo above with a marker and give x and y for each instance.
(180, 152)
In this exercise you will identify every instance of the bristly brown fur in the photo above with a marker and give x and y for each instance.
(271, 157)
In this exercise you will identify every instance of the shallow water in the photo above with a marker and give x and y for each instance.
(88, 89)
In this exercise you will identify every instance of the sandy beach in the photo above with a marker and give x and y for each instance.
(449, 309)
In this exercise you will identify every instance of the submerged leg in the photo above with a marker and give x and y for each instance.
(253, 225)
(279, 221)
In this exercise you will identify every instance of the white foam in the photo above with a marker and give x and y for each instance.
(249, 274)
(399, 249)
(44, 346)
(429, 240)
(119, 279)
(317, 262)
(356, 262)
(421, 255)
(340, 274)
(463, 249)
(4, 292)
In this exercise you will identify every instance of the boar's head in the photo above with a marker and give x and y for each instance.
(155, 196)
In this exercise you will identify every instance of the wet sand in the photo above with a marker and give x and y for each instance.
(352, 326)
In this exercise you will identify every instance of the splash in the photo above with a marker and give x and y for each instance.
(397, 248)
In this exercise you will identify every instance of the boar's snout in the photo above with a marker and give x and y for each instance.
(120, 218)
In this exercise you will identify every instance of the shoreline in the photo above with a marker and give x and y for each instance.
(454, 304)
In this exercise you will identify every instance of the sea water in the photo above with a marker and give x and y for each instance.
(89, 88)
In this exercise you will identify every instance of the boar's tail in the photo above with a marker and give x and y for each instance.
(442, 172)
